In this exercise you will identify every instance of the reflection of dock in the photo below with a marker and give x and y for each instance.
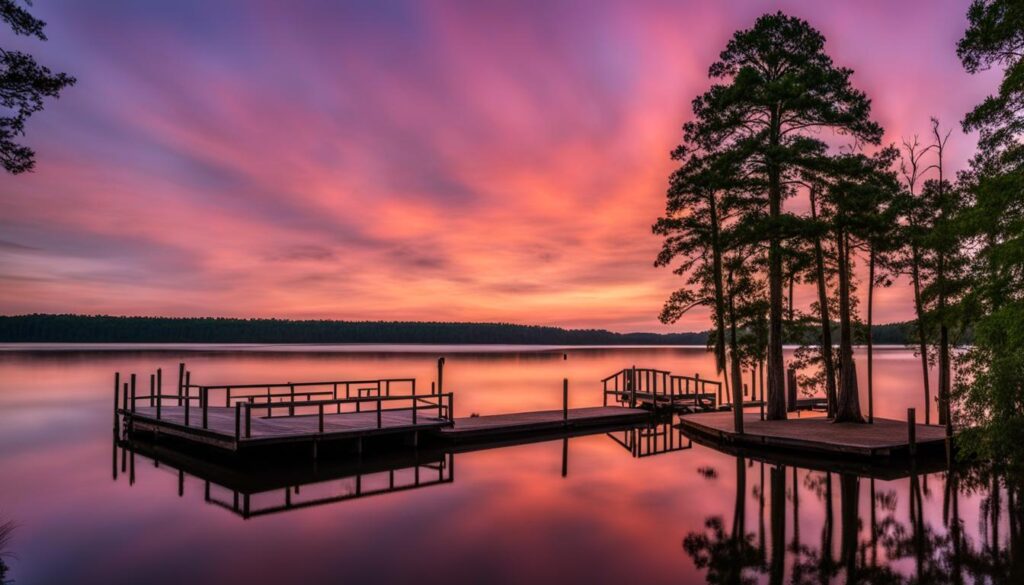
(279, 486)
(818, 435)
(652, 440)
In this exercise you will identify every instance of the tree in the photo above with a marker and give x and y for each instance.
(990, 386)
(914, 230)
(777, 90)
(23, 86)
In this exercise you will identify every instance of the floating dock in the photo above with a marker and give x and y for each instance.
(883, 438)
(479, 427)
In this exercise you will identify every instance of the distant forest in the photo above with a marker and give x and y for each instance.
(106, 329)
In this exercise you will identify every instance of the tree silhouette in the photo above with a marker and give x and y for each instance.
(776, 88)
(23, 86)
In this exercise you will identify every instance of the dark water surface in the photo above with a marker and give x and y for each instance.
(587, 509)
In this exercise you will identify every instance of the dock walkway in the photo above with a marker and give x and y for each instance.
(529, 422)
(883, 438)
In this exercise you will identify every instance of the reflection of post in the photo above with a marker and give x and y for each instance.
(796, 512)
(874, 527)
(778, 520)
(565, 457)
(849, 494)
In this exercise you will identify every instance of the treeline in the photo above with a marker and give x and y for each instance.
(108, 329)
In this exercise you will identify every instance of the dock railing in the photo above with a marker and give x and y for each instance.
(637, 385)
(276, 400)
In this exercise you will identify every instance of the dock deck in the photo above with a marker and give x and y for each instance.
(883, 438)
(531, 422)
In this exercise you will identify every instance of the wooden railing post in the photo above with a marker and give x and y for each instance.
(181, 379)
(565, 401)
(159, 383)
(152, 389)
(791, 389)
(117, 392)
(291, 409)
(132, 407)
(912, 430)
(378, 412)
(248, 420)
(320, 413)
(632, 387)
(187, 405)
(238, 421)
(440, 375)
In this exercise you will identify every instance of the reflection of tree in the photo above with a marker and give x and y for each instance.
(5, 536)
(938, 554)
(726, 556)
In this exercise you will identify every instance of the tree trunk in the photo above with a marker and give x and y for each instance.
(826, 322)
(871, 356)
(716, 267)
(776, 367)
(944, 364)
(848, 405)
(915, 276)
(734, 358)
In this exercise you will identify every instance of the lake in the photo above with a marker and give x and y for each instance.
(632, 506)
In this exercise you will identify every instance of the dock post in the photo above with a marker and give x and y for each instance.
(159, 399)
(132, 407)
(291, 409)
(124, 397)
(632, 387)
(238, 421)
(912, 430)
(159, 383)
(181, 379)
(440, 375)
(791, 389)
(248, 420)
(187, 401)
(117, 391)
(152, 389)
(378, 412)
(320, 413)
(565, 401)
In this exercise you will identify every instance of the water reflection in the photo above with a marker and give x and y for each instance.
(888, 545)
(657, 439)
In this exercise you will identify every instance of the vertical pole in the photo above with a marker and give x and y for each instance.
(152, 389)
(124, 397)
(133, 393)
(440, 375)
(291, 389)
(565, 401)
(791, 389)
(159, 383)
(238, 421)
(117, 391)
(159, 399)
(912, 430)
(565, 457)
(320, 413)
(187, 401)
(632, 387)
(378, 412)
(248, 420)
(181, 379)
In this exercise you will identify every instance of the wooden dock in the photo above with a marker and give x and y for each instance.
(479, 427)
(883, 438)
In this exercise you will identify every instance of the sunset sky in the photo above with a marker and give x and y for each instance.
(471, 161)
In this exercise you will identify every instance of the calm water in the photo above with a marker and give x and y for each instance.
(583, 510)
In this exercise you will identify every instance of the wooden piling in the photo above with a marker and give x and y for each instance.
(912, 430)
(320, 413)
(159, 383)
(378, 413)
(152, 389)
(181, 379)
(132, 407)
(238, 421)
(248, 420)
(440, 375)
(791, 389)
(565, 401)
(117, 391)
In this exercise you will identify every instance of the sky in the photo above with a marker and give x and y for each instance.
(466, 161)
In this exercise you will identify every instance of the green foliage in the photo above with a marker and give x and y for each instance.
(23, 86)
(989, 394)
